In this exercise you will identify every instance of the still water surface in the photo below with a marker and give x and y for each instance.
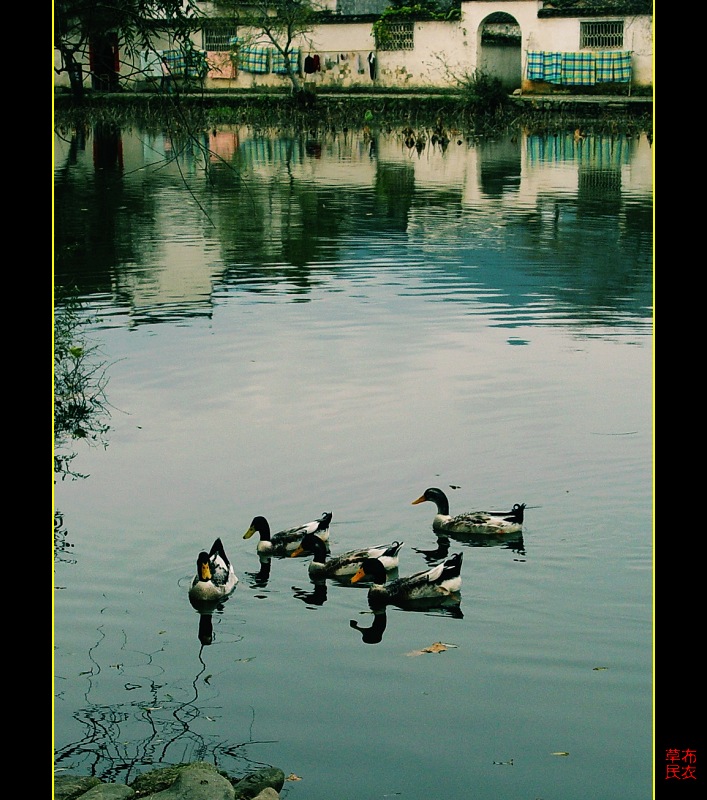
(295, 325)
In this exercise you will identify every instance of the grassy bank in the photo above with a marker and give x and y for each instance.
(463, 113)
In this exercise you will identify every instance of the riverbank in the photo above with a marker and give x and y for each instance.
(387, 111)
(196, 781)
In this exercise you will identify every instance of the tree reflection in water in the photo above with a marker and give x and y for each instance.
(122, 740)
(80, 378)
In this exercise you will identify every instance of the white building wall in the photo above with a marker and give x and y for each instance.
(443, 51)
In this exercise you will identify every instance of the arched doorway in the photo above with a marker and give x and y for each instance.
(500, 50)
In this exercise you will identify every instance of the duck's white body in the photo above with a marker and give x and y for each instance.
(475, 522)
(438, 582)
(324, 566)
(215, 578)
(284, 542)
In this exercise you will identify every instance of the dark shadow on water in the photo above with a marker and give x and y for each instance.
(373, 633)
(513, 542)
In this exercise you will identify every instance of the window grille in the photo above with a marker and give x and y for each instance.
(216, 35)
(396, 36)
(601, 35)
(606, 180)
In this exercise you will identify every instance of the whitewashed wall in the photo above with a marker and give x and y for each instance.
(443, 51)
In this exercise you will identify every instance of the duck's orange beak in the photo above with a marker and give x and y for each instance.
(297, 552)
(357, 577)
(419, 500)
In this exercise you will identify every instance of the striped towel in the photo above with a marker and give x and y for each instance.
(174, 60)
(254, 59)
(195, 63)
(579, 69)
(278, 61)
(544, 65)
(613, 66)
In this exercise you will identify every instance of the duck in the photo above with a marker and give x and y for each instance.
(344, 564)
(284, 542)
(439, 583)
(215, 579)
(482, 522)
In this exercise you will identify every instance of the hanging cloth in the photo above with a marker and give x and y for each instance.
(372, 65)
(309, 65)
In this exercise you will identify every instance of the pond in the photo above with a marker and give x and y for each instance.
(289, 324)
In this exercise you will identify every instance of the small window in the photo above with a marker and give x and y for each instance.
(216, 35)
(396, 36)
(601, 35)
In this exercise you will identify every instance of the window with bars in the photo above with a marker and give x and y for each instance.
(396, 36)
(216, 35)
(601, 35)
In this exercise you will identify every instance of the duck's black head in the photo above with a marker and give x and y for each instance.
(203, 569)
(372, 569)
(436, 496)
(258, 525)
(311, 543)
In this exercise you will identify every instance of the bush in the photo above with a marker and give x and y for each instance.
(482, 93)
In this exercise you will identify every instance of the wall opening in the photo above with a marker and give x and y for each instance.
(500, 49)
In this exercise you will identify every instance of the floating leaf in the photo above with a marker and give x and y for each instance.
(293, 777)
(560, 753)
(208, 678)
(508, 763)
(437, 647)
(596, 669)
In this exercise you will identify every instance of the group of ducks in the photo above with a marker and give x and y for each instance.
(215, 578)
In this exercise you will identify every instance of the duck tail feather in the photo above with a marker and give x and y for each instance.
(217, 550)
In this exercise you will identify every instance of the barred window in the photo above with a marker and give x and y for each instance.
(396, 36)
(217, 33)
(601, 35)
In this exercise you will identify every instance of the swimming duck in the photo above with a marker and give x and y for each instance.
(323, 566)
(472, 521)
(215, 578)
(437, 583)
(284, 542)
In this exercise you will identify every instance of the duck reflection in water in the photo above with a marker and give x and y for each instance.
(374, 632)
(316, 596)
(206, 610)
(259, 579)
(440, 552)
(513, 542)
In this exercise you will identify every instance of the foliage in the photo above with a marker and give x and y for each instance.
(135, 26)
(615, 6)
(482, 94)
(281, 23)
(79, 387)
(422, 10)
